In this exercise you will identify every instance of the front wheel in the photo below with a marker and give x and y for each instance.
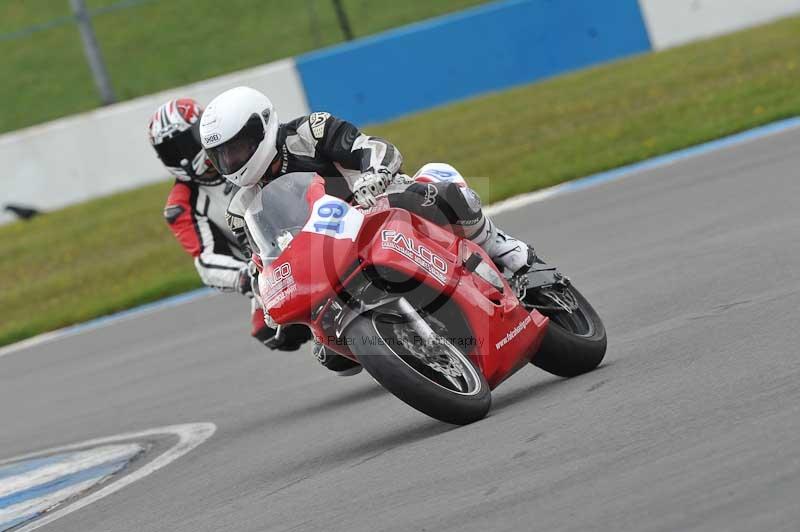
(575, 340)
(431, 375)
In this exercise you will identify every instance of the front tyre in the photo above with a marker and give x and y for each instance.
(433, 377)
(575, 340)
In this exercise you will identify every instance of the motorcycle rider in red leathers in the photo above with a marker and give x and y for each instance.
(196, 207)
(244, 140)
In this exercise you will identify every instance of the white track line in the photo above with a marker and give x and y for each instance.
(189, 436)
(36, 506)
(96, 323)
(751, 135)
(80, 461)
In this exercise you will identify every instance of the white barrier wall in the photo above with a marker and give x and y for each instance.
(104, 151)
(675, 22)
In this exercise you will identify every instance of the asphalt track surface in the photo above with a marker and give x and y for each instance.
(692, 422)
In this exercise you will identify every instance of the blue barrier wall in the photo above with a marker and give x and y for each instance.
(456, 56)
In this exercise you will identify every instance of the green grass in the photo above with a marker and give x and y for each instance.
(601, 118)
(116, 252)
(166, 43)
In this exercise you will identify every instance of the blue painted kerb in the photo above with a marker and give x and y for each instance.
(456, 56)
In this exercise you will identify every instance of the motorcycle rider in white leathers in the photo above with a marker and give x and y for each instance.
(247, 144)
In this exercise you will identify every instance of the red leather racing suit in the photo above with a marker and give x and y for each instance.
(196, 215)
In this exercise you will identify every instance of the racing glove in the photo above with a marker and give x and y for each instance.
(244, 282)
(369, 186)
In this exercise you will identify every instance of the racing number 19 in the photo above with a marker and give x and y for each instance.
(333, 211)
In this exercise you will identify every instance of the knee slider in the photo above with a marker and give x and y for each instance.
(423, 199)
(443, 203)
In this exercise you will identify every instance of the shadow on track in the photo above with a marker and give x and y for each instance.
(502, 400)
(355, 452)
(348, 451)
(322, 406)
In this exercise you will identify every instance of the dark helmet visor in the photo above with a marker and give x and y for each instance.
(229, 157)
(179, 147)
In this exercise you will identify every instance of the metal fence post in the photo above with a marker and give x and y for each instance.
(93, 54)
(344, 22)
(313, 24)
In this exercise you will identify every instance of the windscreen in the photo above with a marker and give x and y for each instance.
(278, 213)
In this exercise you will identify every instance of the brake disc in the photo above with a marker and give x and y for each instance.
(435, 355)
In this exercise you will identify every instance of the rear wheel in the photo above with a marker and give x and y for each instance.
(575, 340)
(431, 375)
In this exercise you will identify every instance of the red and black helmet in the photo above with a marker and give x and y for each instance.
(174, 134)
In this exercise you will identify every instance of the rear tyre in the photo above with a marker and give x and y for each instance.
(575, 342)
(437, 380)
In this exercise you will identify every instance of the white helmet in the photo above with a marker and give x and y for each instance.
(239, 130)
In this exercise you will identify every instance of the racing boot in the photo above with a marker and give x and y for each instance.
(342, 366)
(511, 255)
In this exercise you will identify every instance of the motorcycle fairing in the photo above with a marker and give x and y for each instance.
(304, 257)
(504, 335)
(303, 283)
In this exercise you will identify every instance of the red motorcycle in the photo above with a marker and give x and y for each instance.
(425, 312)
